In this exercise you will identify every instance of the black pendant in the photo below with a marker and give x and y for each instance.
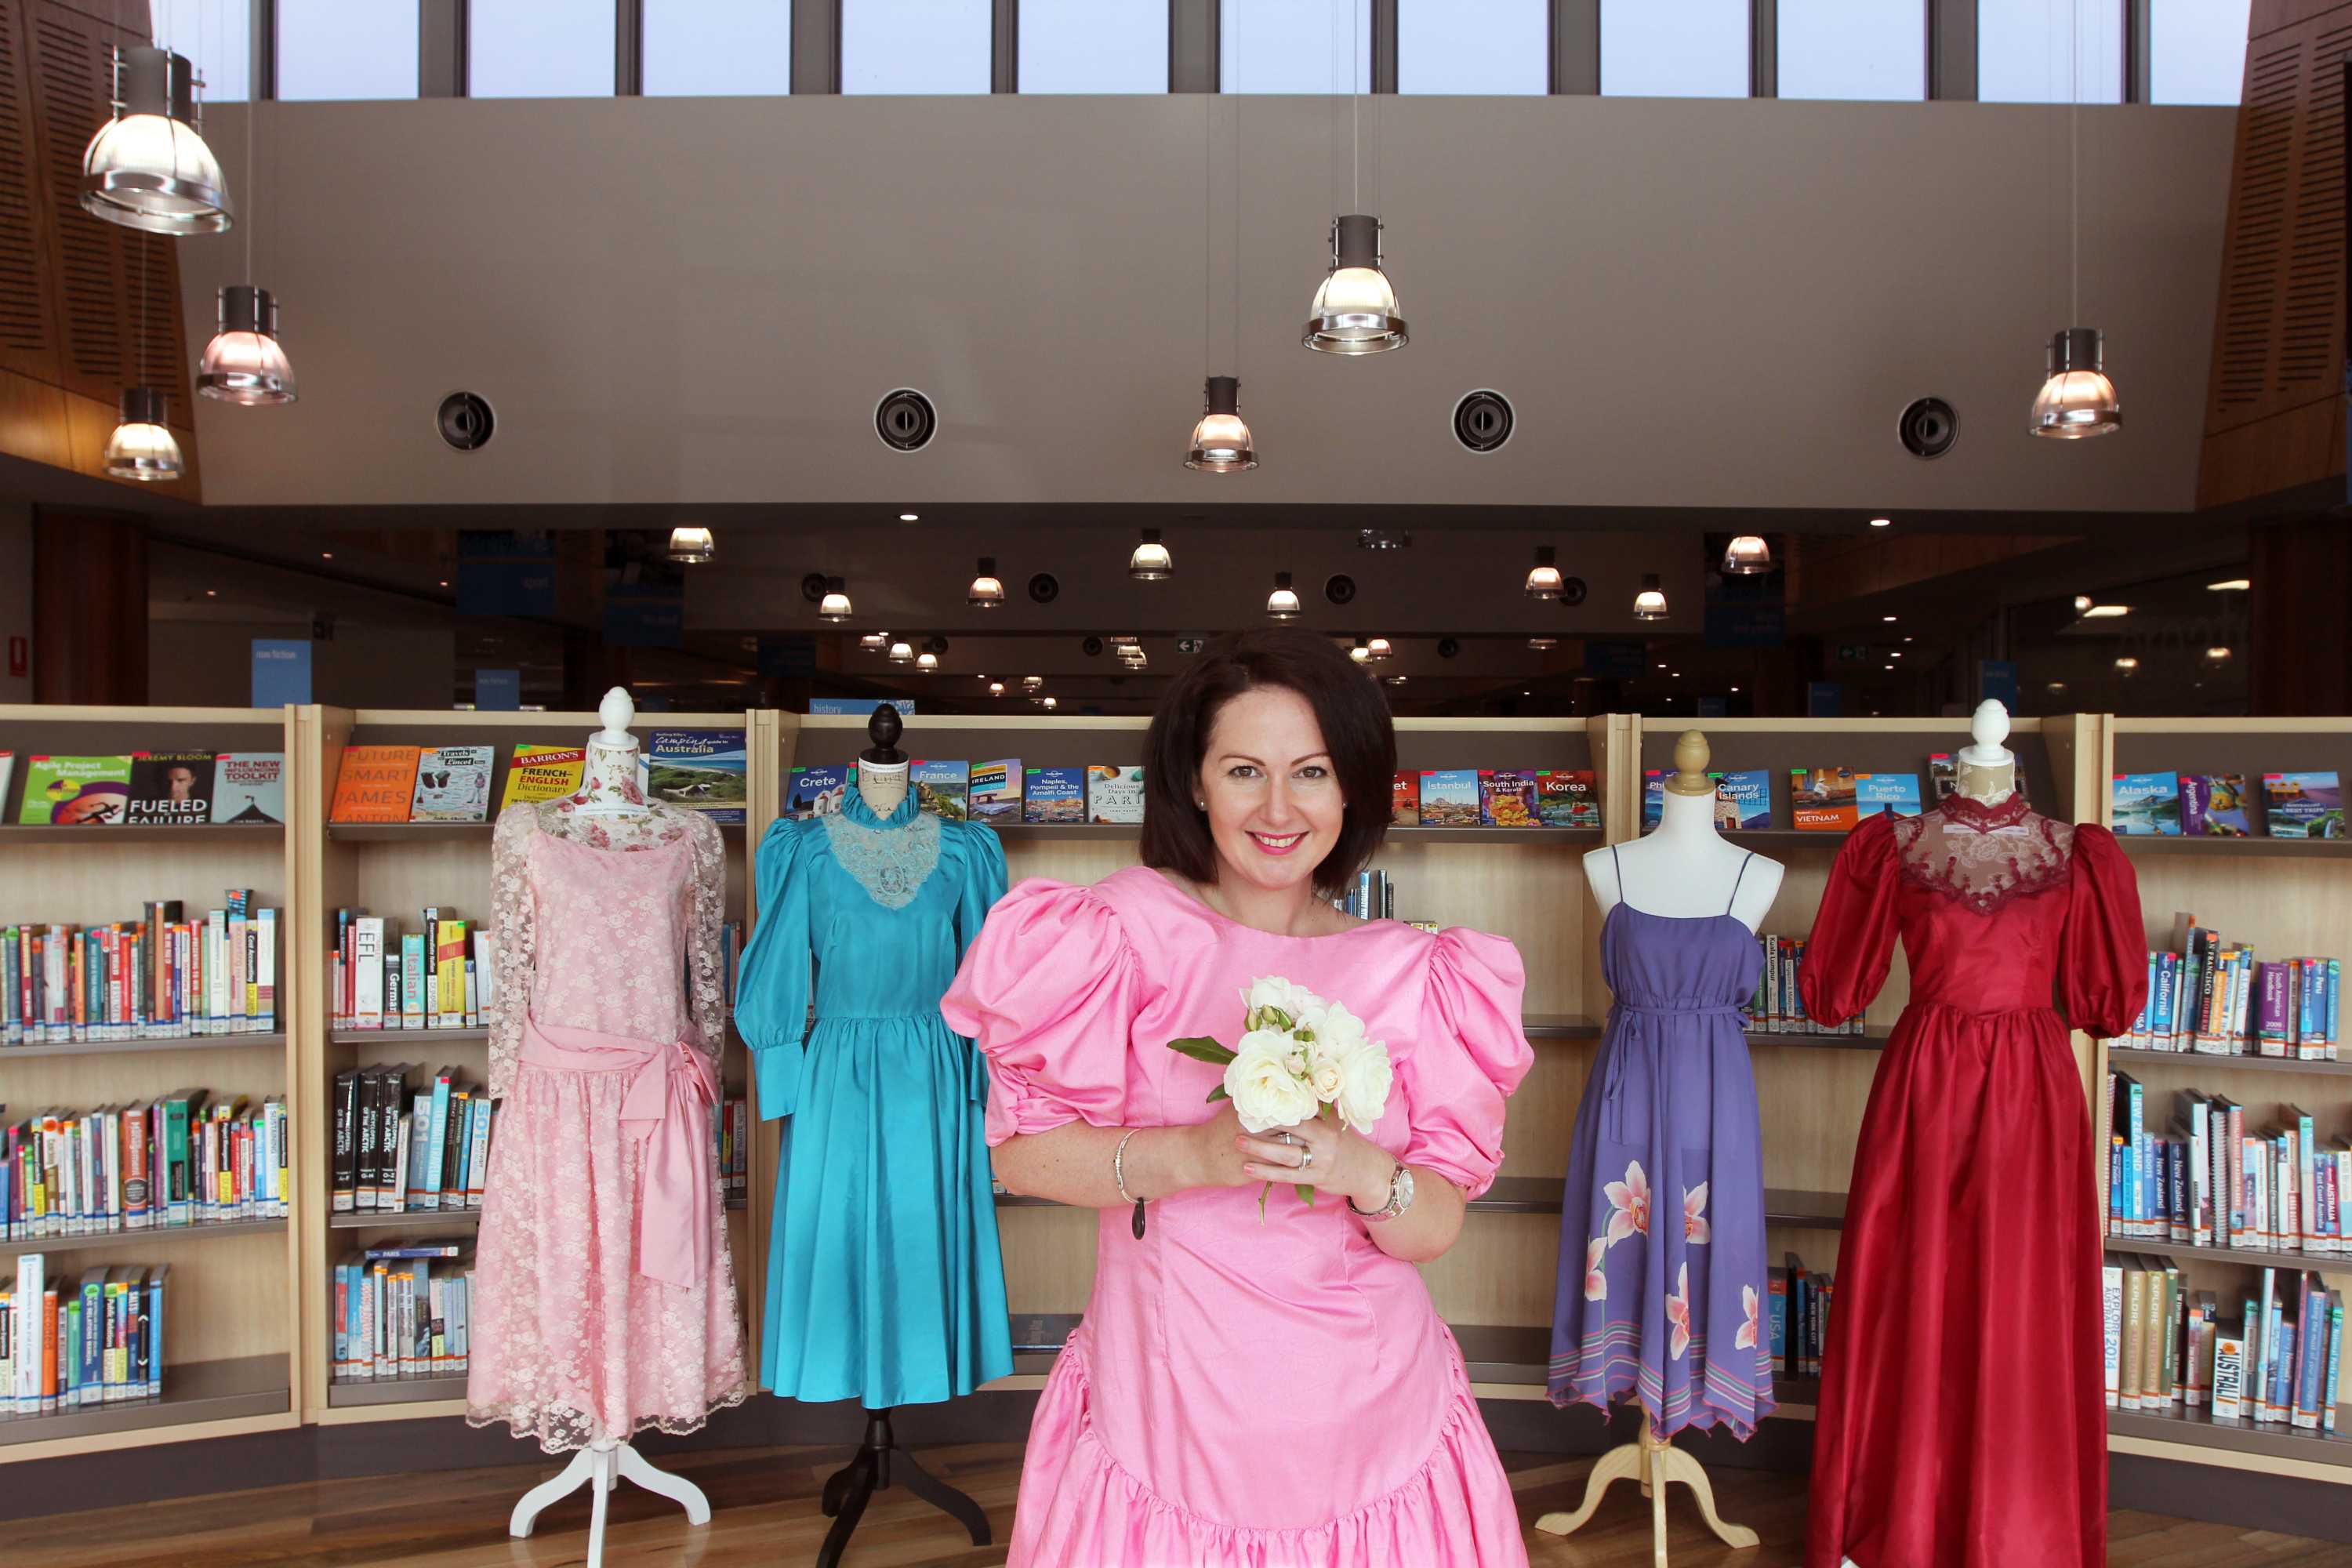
(1138, 1226)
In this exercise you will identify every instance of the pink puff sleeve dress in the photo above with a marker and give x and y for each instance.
(1260, 1395)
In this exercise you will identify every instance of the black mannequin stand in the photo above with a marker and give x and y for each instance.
(880, 1462)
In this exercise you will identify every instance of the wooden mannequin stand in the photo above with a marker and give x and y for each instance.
(848, 1489)
(1654, 1460)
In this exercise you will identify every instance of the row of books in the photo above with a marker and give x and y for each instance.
(694, 770)
(1495, 797)
(67, 1344)
(2217, 1175)
(400, 1151)
(1778, 1007)
(1372, 897)
(187, 1158)
(2216, 998)
(2167, 1349)
(184, 789)
(403, 1312)
(997, 792)
(1797, 1303)
(437, 977)
(1821, 800)
(158, 977)
(2219, 806)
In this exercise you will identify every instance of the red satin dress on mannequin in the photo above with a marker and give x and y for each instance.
(1962, 1416)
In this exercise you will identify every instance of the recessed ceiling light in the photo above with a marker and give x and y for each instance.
(2126, 664)
(1890, 666)
(2105, 612)
(2217, 653)
(326, 555)
(909, 517)
(1882, 523)
(444, 582)
(1895, 653)
(212, 593)
(2057, 686)
(1907, 639)
(1888, 619)
(1735, 689)
(2238, 583)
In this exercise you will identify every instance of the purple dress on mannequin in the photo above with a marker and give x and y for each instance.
(1662, 1236)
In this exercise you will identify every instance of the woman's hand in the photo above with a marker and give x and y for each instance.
(1320, 1154)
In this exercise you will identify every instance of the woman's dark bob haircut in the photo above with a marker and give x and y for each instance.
(1350, 709)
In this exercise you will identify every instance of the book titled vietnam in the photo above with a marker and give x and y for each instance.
(170, 787)
(1895, 793)
(1114, 792)
(698, 769)
(816, 791)
(2146, 803)
(1564, 798)
(1404, 800)
(1053, 794)
(1823, 800)
(996, 791)
(2295, 805)
(453, 784)
(250, 786)
(75, 792)
(943, 789)
(375, 783)
(2214, 806)
(544, 773)
(1743, 799)
(1449, 798)
(1507, 798)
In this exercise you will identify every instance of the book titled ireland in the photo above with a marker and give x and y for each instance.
(996, 791)
(700, 770)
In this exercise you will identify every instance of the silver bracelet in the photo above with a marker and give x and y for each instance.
(1118, 1177)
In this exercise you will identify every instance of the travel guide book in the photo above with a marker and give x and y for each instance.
(250, 786)
(1449, 798)
(996, 791)
(75, 792)
(375, 783)
(544, 773)
(1507, 798)
(1895, 793)
(2304, 806)
(2146, 803)
(816, 791)
(1653, 797)
(1053, 794)
(1823, 800)
(170, 787)
(1564, 798)
(453, 784)
(1743, 799)
(1404, 801)
(700, 770)
(1114, 792)
(943, 789)
(2214, 806)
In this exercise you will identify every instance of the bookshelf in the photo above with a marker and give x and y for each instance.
(231, 1362)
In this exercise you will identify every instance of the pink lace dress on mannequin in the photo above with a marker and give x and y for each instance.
(604, 1296)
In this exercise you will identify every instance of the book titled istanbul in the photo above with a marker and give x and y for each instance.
(75, 792)
(2146, 803)
(943, 789)
(700, 770)
(2295, 806)
(1114, 794)
(996, 791)
(1054, 795)
(1449, 798)
(250, 786)
(170, 787)
(453, 784)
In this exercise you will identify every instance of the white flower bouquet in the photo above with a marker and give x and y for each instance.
(1301, 1056)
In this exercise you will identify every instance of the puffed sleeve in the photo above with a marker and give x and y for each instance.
(514, 923)
(1049, 993)
(2103, 961)
(771, 998)
(982, 885)
(1852, 941)
(1472, 1053)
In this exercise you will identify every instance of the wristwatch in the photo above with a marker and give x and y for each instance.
(1400, 1198)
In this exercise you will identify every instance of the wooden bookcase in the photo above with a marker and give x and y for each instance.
(230, 1350)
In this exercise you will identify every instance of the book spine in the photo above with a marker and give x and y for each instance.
(2111, 1317)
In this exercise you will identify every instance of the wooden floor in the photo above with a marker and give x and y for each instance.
(764, 1512)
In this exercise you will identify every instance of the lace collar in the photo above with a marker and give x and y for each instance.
(853, 806)
(1962, 811)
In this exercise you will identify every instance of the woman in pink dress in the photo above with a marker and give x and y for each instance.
(1269, 1392)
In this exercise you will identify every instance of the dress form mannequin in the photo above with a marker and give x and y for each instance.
(1986, 772)
(608, 786)
(882, 767)
(1683, 871)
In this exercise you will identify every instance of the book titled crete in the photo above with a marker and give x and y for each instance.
(250, 786)
(943, 789)
(1564, 798)
(996, 791)
(1114, 794)
(1507, 798)
(816, 791)
(1449, 798)
(700, 770)
(1404, 800)
(1054, 795)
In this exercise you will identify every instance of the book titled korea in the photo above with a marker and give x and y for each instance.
(696, 770)
(1054, 796)
(942, 788)
(1564, 798)
(996, 791)
(453, 784)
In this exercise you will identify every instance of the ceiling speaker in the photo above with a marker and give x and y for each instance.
(1482, 420)
(906, 420)
(464, 421)
(1928, 427)
(1044, 588)
(1092, 647)
(813, 587)
(1340, 588)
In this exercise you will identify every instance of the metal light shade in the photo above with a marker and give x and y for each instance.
(1361, 653)
(874, 642)
(1221, 442)
(142, 447)
(1152, 563)
(1650, 603)
(148, 168)
(1540, 643)
(2077, 399)
(1033, 683)
(1355, 310)
(1746, 556)
(1282, 604)
(996, 688)
(1380, 649)
(986, 592)
(243, 362)
(1048, 703)
(692, 547)
(1543, 577)
(834, 606)
(928, 662)
(900, 653)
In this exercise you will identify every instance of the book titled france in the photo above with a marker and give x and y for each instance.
(942, 788)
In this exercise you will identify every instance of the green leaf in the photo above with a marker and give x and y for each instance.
(1306, 1194)
(1261, 1201)
(1202, 1049)
(1217, 1094)
(1330, 1111)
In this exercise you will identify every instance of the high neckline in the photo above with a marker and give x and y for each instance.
(853, 806)
(1985, 818)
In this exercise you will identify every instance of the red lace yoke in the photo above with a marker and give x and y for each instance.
(1982, 857)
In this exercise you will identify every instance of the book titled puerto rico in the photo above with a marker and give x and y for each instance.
(1449, 798)
(250, 786)
(453, 784)
(2146, 803)
(170, 787)
(375, 783)
(2214, 806)
(544, 773)
(1895, 793)
(2295, 805)
(943, 789)
(816, 791)
(1743, 799)
(1564, 798)
(1053, 794)
(1114, 792)
(698, 769)
(1507, 798)
(996, 791)
(1404, 800)
(75, 792)
(1653, 797)
(1823, 800)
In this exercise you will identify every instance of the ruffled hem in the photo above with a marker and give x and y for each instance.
(1079, 1505)
(559, 1431)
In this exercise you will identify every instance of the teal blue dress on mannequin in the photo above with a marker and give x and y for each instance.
(885, 1283)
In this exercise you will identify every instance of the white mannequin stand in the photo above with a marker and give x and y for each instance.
(612, 753)
(1683, 871)
(882, 785)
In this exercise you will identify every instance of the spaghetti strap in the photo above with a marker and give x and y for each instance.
(1728, 903)
(1618, 867)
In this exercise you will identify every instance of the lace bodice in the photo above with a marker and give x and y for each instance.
(1983, 856)
(609, 923)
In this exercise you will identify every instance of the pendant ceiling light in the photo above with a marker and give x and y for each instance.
(1746, 556)
(2076, 400)
(1049, 704)
(1650, 603)
(1221, 442)
(874, 642)
(834, 607)
(1150, 563)
(901, 653)
(1282, 604)
(1361, 653)
(1355, 310)
(692, 547)
(928, 662)
(243, 362)
(1033, 683)
(1380, 649)
(996, 688)
(147, 167)
(143, 447)
(986, 592)
(1543, 577)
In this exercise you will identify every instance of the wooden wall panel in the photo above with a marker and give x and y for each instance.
(28, 321)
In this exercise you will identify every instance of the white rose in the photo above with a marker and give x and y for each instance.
(1365, 1075)
(1271, 991)
(1265, 1091)
(1323, 1073)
